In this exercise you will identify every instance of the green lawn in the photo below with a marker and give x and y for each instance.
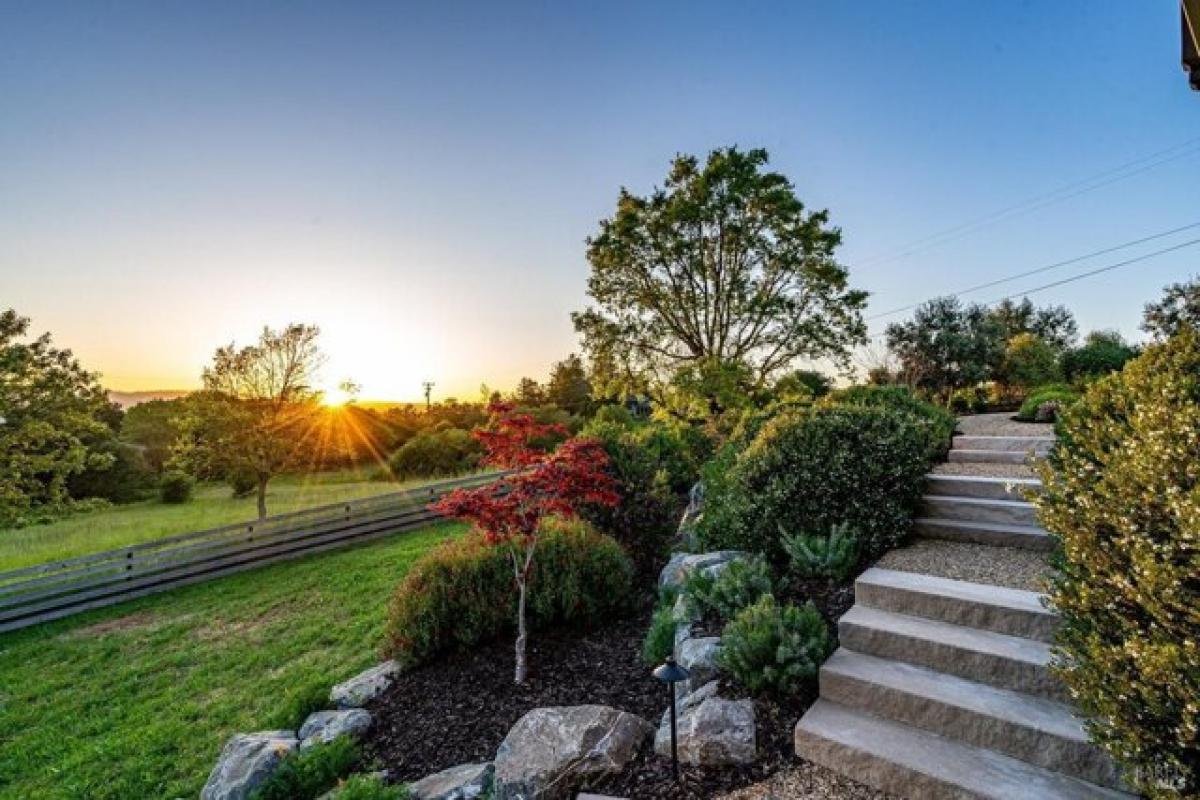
(135, 701)
(210, 507)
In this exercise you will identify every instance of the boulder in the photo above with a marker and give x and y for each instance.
(551, 750)
(325, 726)
(464, 782)
(365, 686)
(699, 658)
(681, 564)
(711, 730)
(246, 761)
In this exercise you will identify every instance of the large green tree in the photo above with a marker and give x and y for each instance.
(52, 414)
(719, 271)
(1179, 305)
(569, 387)
(946, 345)
(257, 414)
(1054, 325)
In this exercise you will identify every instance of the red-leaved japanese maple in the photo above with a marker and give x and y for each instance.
(509, 511)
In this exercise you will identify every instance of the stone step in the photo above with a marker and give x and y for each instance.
(987, 457)
(980, 509)
(1033, 729)
(978, 605)
(1029, 537)
(1019, 444)
(916, 764)
(996, 659)
(989, 488)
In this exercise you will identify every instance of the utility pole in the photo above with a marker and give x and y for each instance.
(428, 390)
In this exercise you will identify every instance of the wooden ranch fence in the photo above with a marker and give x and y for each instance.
(40, 593)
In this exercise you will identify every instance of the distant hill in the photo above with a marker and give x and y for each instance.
(130, 399)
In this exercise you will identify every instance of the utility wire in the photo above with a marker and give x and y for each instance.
(1082, 275)
(1066, 192)
(1047, 268)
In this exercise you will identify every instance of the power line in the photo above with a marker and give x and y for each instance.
(1047, 268)
(1066, 192)
(1082, 275)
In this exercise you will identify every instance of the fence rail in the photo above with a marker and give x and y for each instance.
(57, 589)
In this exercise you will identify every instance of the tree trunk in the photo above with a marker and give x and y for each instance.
(262, 497)
(521, 567)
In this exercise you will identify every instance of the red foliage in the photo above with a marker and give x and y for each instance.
(548, 484)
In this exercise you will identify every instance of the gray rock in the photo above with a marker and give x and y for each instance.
(550, 750)
(711, 729)
(681, 564)
(464, 782)
(699, 658)
(364, 687)
(325, 726)
(246, 761)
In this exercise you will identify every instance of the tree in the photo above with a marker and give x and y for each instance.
(1054, 325)
(1028, 361)
(568, 387)
(946, 345)
(804, 382)
(258, 409)
(151, 426)
(529, 393)
(722, 265)
(53, 413)
(1180, 304)
(510, 511)
(1102, 352)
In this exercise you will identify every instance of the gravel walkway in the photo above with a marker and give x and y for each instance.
(1001, 425)
(806, 781)
(986, 470)
(978, 563)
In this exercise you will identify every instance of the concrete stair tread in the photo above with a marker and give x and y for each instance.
(987, 456)
(915, 763)
(1049, 716)
(1000, 436)
(986, 502)
(981, 593)
(987, 479)
(959, 637)
(996, 533)
(1000, 526)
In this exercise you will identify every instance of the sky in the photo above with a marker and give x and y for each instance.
(419, 179)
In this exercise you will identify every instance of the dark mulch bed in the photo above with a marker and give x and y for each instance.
(459, 708)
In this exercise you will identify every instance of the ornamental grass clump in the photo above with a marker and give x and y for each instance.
(769, 648)
(815, 555)
(1122, 495)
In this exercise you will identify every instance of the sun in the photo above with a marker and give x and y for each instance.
(335, 397)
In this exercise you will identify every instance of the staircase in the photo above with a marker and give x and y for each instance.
(941, 688)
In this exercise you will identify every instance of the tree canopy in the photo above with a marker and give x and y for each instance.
(1180, 304)
(720, 270)
(946, 345)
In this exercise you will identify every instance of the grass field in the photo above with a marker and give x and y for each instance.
(135, 701)
(210, 507)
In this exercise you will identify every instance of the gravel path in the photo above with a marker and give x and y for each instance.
(986, 470)
(806, 781)
(978, 563)
(1001, 425)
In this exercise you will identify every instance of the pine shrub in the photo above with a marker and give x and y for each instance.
(366, 787)
(822, 556)
(308, 774)
(768, 648)
(1122, 494)
(723, 595)
(660, 637)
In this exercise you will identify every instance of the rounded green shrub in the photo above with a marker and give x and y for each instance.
(176, 487)
(1103, 352)
(768, 648)
(1059, 393)
(810, 470)
(1122, 495)
(463, 592)
(436, 452)
(939, 422)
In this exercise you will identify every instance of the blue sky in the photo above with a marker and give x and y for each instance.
(419, 179)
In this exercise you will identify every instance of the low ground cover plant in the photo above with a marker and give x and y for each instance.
(365, 787)
(811, 469)
(308, 774)
(773, 648)
(462, 592)
(815, 555)
(1122, 494)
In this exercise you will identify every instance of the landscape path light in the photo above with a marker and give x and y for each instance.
(671, 673)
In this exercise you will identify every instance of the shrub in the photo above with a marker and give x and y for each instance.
(1058, 393)
(308, 774)
(1102, 352)
(660, 637)
(366, 787)
(972, 398)
(437, 452)
(803, 383)
(124, 478)
(1028, 361)
(939, 423)
(722, 596)
(821, 556)
(242, 482)
(1122, 494)
(175, 487)
(462, 593)
(767, 648)
(812, 469)
(677, 448)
